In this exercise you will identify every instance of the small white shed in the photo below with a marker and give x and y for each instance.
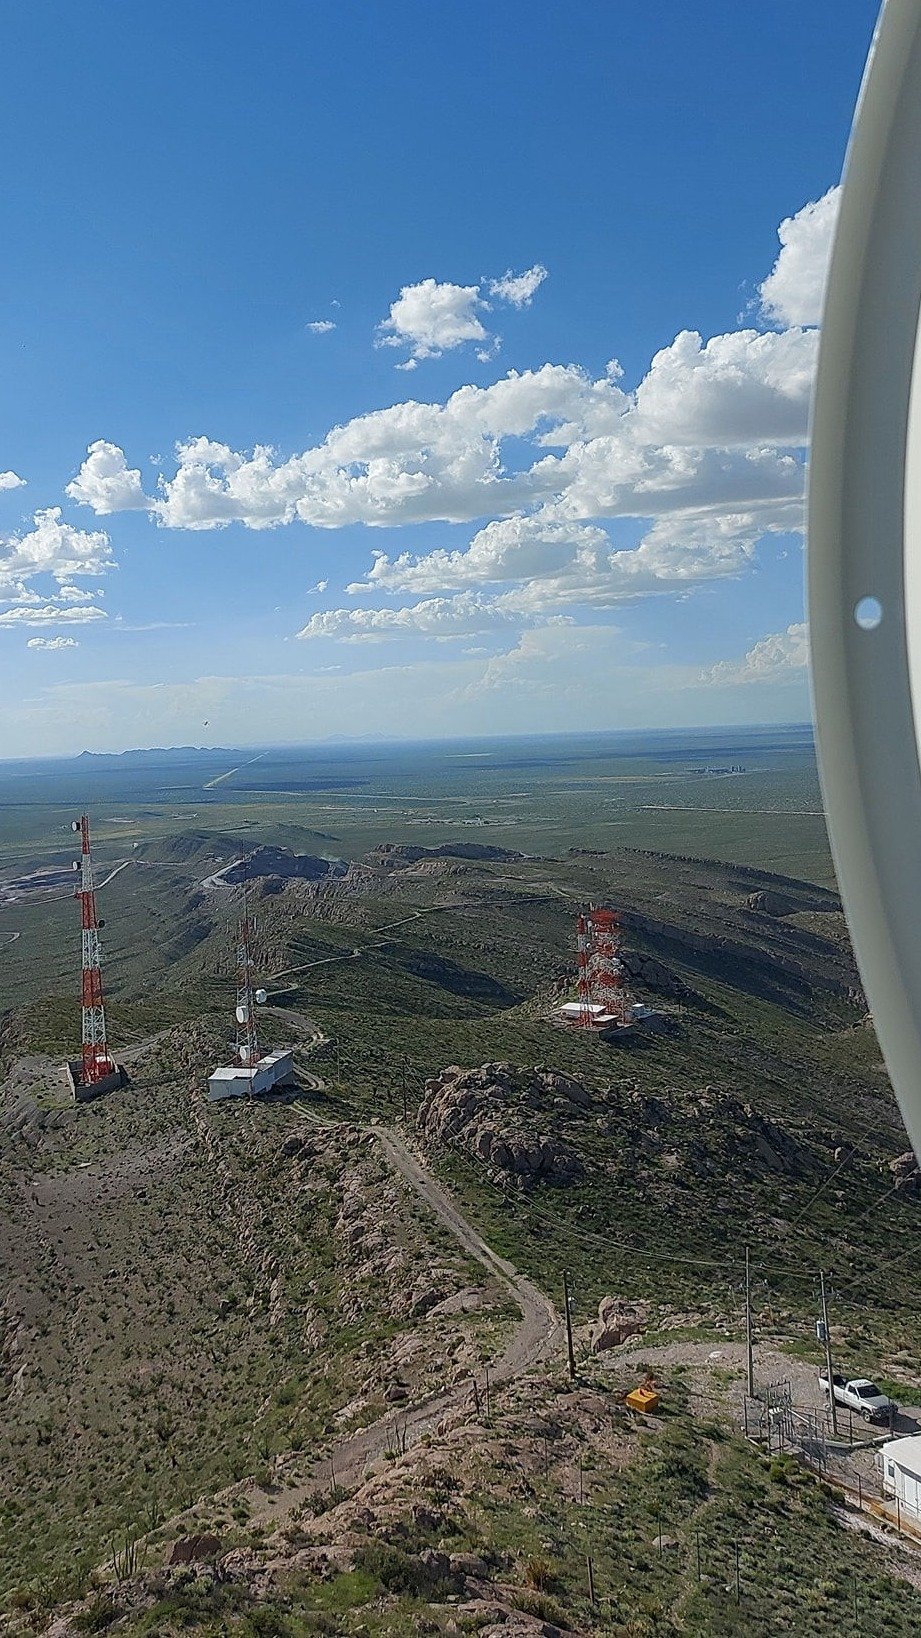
(901, 1464)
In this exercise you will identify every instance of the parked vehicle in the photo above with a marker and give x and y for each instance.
(858, 1393)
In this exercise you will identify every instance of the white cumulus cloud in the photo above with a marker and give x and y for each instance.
(518, 288)
(11, 480)
(437, 617)
(735, 389)
(56, 548)
(794, 289)
(431, 318)
(52, 644)
(582, 494)
(321, 327)
(106, 483)
(596, 451)
(51, 614)
(780, 656)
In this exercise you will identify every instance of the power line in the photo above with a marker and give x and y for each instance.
(870, 1131)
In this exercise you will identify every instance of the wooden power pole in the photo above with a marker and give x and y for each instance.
(749, 1353)
(568, 1312)
(828, 1370)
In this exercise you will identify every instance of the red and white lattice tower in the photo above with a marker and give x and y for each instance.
(584, 950)
(96, 1063)
(606, 970)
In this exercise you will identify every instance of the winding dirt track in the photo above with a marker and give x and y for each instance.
(533, 1339)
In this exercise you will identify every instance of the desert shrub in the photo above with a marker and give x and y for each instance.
(541, 1606)
(96, 1616)
(400, 1572)
(539, 1573)
(264, 1623)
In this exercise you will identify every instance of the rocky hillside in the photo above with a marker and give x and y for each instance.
(192, 1290)
(495, 1524)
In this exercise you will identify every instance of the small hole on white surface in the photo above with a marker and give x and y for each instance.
(868, 613)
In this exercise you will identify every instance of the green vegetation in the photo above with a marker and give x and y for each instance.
(190, 1305)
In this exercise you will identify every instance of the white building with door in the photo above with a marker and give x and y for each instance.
(901, 1465)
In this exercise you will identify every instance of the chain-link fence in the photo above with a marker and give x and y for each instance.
(849, 1460)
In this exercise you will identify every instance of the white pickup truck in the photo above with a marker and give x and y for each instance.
(859, 1394)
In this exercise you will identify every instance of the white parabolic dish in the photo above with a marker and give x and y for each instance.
(864, 547)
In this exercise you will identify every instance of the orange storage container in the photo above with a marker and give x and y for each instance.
(643, 1399)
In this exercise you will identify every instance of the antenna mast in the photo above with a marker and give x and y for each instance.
(247, 1035)
(608, 977)
(583, 947)
(96, 1063)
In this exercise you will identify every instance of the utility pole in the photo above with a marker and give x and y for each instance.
(748, 1327)
(828, 1371)
(568, 1311)
(403, 1070)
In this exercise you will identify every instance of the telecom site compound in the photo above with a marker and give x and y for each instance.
(604, 1001)
(253, 1073)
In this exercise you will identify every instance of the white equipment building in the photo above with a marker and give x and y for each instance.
(240, 1081)
(901, 1465)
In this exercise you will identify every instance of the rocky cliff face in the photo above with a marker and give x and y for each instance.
(395, 855)
(498, 1115)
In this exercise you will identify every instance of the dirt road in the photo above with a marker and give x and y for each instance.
(532, 1340)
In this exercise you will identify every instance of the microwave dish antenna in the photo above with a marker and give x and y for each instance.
(864, 546)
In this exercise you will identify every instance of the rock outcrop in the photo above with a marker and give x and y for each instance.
(906, 1173)
(280, 862)
(651, 973)
(770, 903)
(485, 1113)
(394, 855)
(617, 1320)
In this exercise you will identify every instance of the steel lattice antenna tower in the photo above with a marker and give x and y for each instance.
(96, 1061)
(583, 946)
(607, 970)
(247, 1036)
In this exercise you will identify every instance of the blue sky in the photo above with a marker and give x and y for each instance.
(480, 209)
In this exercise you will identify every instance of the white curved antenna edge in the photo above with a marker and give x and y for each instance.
(864, 541)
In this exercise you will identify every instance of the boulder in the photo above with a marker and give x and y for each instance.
(195, 1549)
(617, 1321)
(769, 903)
(905, 1171)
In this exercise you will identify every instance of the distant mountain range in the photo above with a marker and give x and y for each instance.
(182, 753)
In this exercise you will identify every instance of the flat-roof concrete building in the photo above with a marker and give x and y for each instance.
(273, 1070)
(901, 1465)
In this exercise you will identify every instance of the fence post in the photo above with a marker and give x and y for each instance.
(898, 1514)
(738, 1583)
(591, 1579)
(859, 1494)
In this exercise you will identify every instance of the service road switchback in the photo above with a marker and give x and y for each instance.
(533, 1339)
